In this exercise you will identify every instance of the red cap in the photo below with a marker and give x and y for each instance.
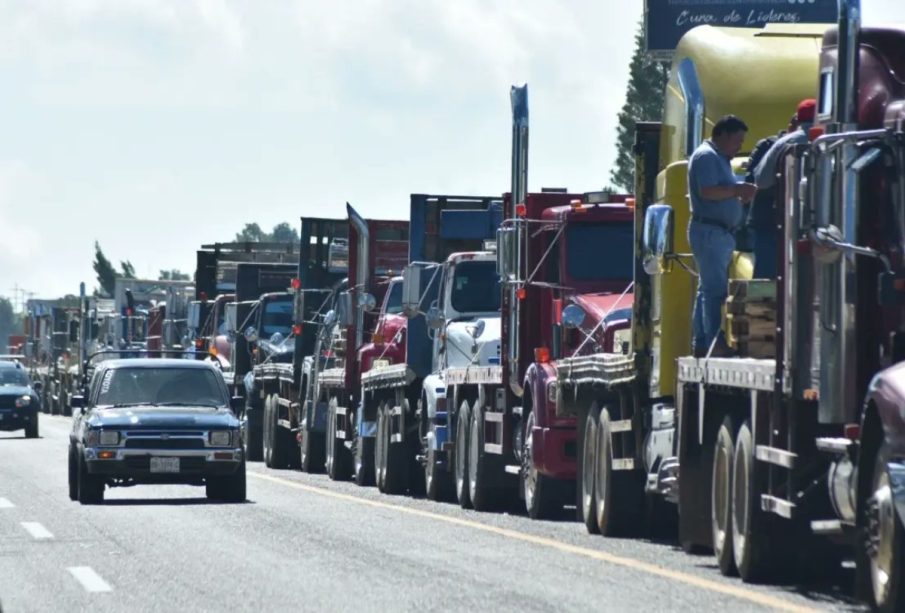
(806, 110)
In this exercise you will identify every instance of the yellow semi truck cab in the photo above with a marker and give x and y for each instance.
(760, 75)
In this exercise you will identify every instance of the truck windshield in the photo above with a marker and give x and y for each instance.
(184, 386)
(600, 252)
(13, 376)
(394, 299)
(277, 317)
(476, 287)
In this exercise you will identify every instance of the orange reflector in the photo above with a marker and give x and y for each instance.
(199, 343)
(223, 455)
(297, 329)
(852, 431)
(811, 394)
(377, 338)
(541, 355)
(521, 210)
(106, 455)
(296, 283)
(630, 203)
(815, 132)
(557, 310)
(520, 293)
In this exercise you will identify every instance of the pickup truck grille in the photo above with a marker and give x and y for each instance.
(159, 443)
(8, 402)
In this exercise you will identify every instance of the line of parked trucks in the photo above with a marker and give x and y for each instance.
(534, 348)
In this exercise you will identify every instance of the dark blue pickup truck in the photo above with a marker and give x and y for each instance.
(19, 402)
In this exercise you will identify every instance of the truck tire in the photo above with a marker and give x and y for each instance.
(266, 436)
(311, 451)
(883, 542)
(337, 458)
(721, 497)
(91, 487)
(391, 461)
(31, 430)
(65, 407)
(254, 436)
(483, 496)
(617, 493)
(73, 473)
(460, 456)
(279, 438)
(543, 499)
(587, 505)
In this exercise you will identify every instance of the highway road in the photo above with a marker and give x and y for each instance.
(302, 542)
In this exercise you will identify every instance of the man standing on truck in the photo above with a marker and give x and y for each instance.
(716, 205)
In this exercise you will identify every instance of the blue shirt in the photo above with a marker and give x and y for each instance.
(708, 168)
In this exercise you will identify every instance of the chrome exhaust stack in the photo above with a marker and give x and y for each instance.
(361, 270)
(518, 97)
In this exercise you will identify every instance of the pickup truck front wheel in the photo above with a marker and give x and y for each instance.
(227, 489)
(91, 487)
(73, 473)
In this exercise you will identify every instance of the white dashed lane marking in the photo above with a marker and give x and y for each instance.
(90, 580)
(36, 530)
(6, 504)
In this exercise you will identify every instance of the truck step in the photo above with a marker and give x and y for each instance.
(513, 469)
(777, 506)
(623, 463)
(827, 527)
(776, 456)
(623, 425)
(838, 446)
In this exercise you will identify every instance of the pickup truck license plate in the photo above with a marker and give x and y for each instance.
(164, 465)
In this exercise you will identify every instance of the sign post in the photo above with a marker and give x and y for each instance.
(665, 21)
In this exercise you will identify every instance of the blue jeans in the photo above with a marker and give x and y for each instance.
(712, 248)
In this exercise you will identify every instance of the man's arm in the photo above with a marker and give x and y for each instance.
(708, 176)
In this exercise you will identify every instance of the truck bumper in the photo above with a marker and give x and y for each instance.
(555, 452)
(17, 419)
(193, 465)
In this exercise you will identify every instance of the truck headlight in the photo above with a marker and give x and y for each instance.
(109, 438)
(220, 438)
(23, 401)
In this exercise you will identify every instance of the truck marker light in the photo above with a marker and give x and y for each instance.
(297, 329)
(106, 455)
(223, 455)
(199, 343)
(630, 203)
(521, 210)
(377, 338)
(296, 283)
(852, 431)
(557, 310)
(521, 293)
(541, 355)
(815, 132)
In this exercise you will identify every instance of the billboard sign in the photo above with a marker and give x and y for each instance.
(665, 21)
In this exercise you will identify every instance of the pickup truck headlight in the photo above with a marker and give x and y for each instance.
(220, 438)
(109, 438)
(23, 401)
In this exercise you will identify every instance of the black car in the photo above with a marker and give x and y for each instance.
(155, 420)
(19, 403)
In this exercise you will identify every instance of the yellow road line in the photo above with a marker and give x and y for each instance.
(651, 569)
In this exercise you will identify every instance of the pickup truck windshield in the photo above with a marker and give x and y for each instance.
(394, 299)
(13, 376)
(277, 317)
(600, 252)
(174, 386)
(476, 287)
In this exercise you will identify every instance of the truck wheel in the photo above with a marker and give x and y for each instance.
(267, 433)
(365, 460)
(31, 430)
(311, 450)
(460, 461)
(234, 486)
(380, 469)
(541, 492)
(754, 543)
(721, 497)
(337, 466)
(483, 496)
(588, 503)
(617, 494)
(91, 487)
(254, 436)
(394, 461)
(279, 441)
(73, 473)
(66, 409)
(883, 542)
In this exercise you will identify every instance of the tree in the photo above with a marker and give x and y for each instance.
(283, 233)
(128, 270)
(103, 268)
(173, 275)
(643, 102)
(10, 322)
(251, 233)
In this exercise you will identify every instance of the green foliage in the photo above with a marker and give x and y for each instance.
(128, 271)
(282, 233)
(10, 322)
(173, 275)
(643, 102)
(106, 274)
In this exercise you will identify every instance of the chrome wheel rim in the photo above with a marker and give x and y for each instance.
(587, 466)
(528, 463)
(601, 472)
(719, 496)
(881, 533)
(740, 489)
(461, 457)
(473, 443)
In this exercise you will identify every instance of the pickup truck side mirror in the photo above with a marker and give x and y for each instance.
(237, 404)
(77, 402)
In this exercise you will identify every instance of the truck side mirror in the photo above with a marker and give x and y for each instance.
(367, 301)
(251, 334)
(77, 402)
(657, 239)
(411, 290)
(237, 404)
(345, 312)
(507, 249)
(573, 316)
(435, 319)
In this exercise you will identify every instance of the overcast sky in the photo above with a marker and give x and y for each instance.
(156, 125)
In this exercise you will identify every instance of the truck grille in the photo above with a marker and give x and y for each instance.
(159, 443)
(8, 402)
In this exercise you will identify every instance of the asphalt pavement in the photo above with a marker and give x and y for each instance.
(303, 542)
